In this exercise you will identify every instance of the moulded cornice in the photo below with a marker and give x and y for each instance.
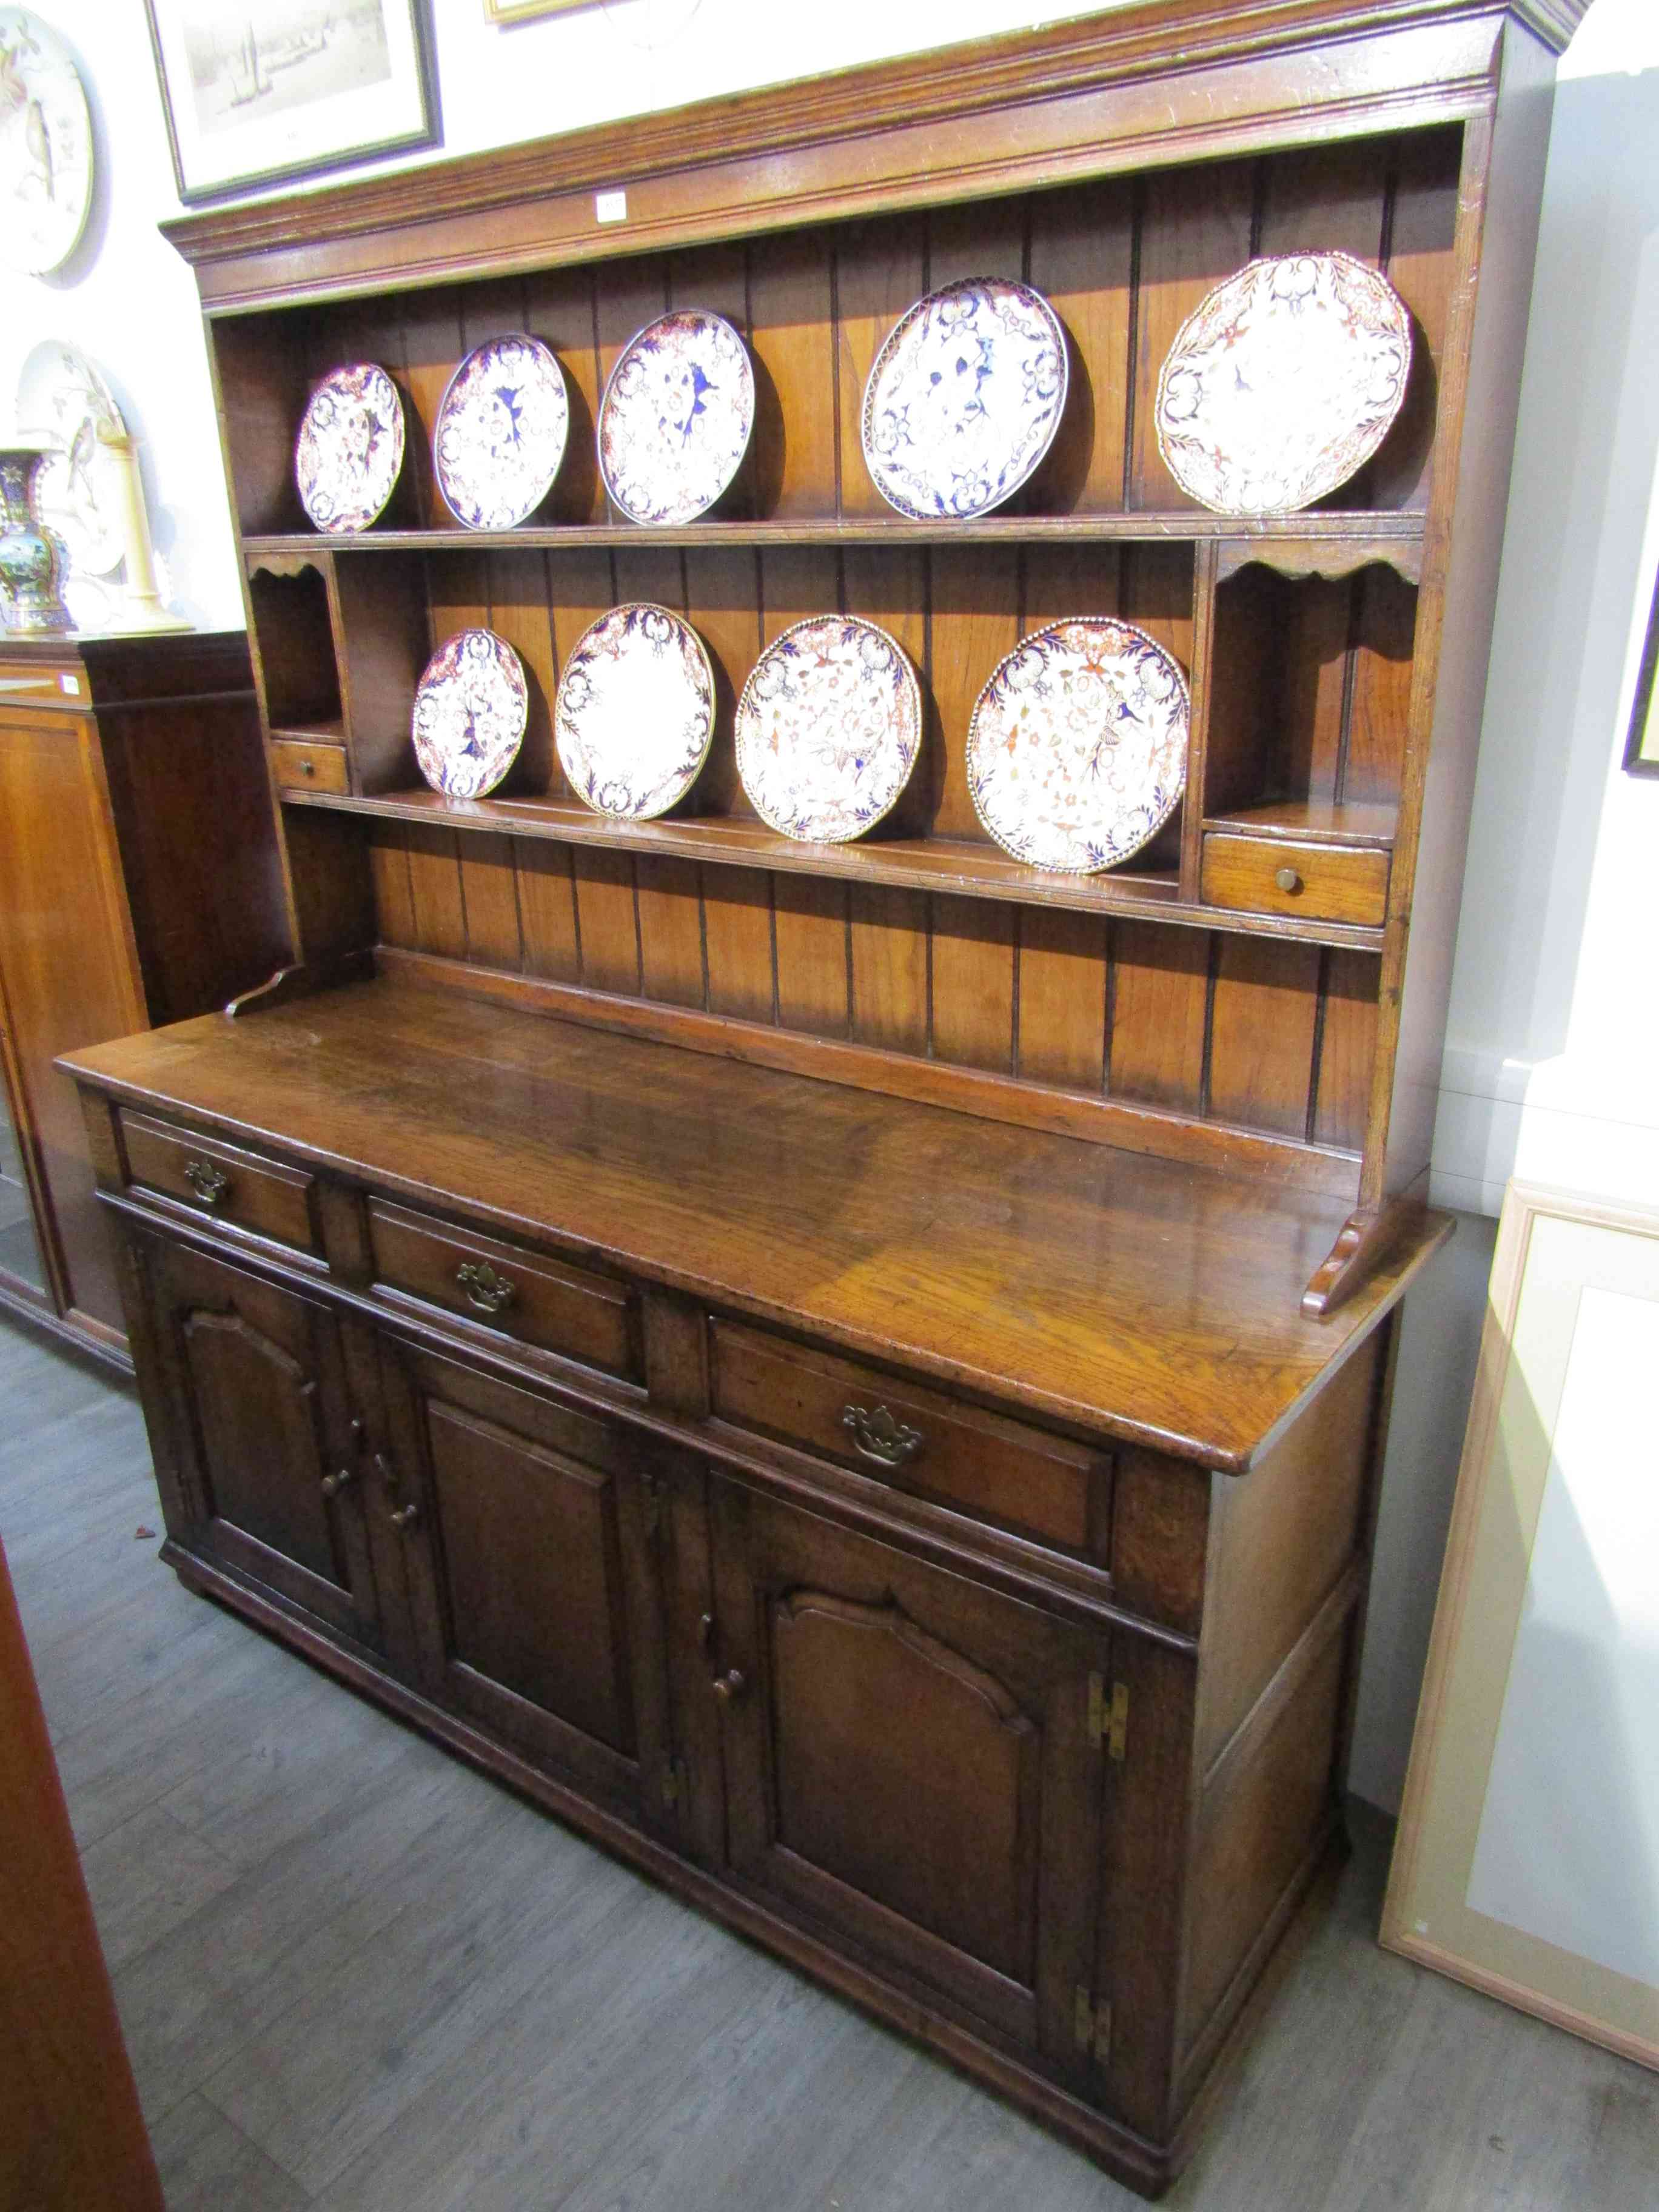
(1088, 54)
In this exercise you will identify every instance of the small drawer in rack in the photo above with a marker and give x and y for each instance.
(302, 765)
(558, 1308)
(1320, 883)
(933, 1446)
(221, 1182)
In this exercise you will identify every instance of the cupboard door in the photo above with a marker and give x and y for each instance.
(531, 1534)
(908, 1759)
(261, 1453)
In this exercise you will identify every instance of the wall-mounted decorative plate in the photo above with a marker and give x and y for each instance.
(1076, 747)
(62, 400)
(675, 420)
(350, 448)
(635, 711)
(828, 728)
(471, 707)
(501, 431)
(46, 146)
(964, 398)
(1282, 382)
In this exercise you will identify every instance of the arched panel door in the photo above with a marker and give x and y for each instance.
(263, 1452)
(908, 1759)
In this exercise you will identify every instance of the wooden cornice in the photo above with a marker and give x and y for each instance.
(1091, 53)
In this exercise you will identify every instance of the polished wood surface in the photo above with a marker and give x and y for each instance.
(1011, 1263)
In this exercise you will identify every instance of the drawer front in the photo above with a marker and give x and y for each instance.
(221, 1181)
(301, 767)
(955, 1455)
(544, 1302)
(1323, 882)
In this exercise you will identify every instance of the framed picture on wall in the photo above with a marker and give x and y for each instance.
(1642, 745)
(1527, 1861)
(270, 89)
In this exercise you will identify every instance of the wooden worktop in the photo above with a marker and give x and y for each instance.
(1103, 1288)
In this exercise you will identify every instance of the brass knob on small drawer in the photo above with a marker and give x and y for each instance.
(307, 768)
(1288, 880)
(491, 1293)
(877, 1436)
(404, 1516)
(730, 1687)
(333, 1484)
(210, 1183)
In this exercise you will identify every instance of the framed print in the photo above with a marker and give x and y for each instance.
(1527, 1861)
(272, 90)
(1642, 745)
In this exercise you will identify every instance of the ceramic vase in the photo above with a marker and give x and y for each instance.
(31, 559)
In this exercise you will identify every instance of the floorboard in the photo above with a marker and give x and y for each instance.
(355, 1975)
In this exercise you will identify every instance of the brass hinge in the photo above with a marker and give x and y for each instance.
(1108, 1720)
(1091, 2023)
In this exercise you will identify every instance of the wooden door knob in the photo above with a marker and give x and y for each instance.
(1288, 880)
(334, 1484)
(404, 1516)
(729, 1686)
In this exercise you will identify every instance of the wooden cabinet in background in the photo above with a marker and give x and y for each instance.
(139, 883)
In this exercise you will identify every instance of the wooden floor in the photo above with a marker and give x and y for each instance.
(354, 1974)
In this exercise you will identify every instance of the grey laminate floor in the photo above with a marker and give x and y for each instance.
(354, 1974)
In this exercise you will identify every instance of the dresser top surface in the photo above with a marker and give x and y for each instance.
(1104, 1289)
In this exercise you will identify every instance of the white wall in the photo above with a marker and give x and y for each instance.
(1553, 1048)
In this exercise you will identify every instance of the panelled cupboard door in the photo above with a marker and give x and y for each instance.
(262, 1451)
(908, 1759)
(532, 1535)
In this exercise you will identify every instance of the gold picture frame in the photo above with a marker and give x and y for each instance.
(1642, 742)
(505, 12)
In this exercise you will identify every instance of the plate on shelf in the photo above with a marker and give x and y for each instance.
(964, 398)
(635, 711)
(350, 448)
(46, 146)
(1283, 382)
(1076, 747)
(675, 420)
(828, 728)
(500, 433)
(471, 707)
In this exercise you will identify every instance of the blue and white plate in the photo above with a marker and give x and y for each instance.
(350, 448)
(829, 729)
(635, 711)
(470, 708)
(675, 420)
(964, 398)
(501, 431)
(1076, 747)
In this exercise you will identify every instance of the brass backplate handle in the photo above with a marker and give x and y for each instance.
(490, 1292)
(877, 1436)
(209, 1182)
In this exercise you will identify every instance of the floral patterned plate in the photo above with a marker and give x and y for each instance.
(470, 708)
(501, 431)
(675, 420)
(964, 398)
(350, 448)
(828, 728)
(635, 711)
(1076, 747)
(1282, 382)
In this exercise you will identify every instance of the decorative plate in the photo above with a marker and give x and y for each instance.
(46, 146)
(675, 420)
(1283, 382)
(62, 400)
(964, 398)
(350, 448)
(501, 431)
(635, 711)
(828, 728)
(1076, 747)
(471, 707)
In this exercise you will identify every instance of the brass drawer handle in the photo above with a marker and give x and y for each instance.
(308, 766)
(211, 1184)
(491, 1293)
(729, 1686)
(878, 1437)
(404, 1516)
(1288, 880)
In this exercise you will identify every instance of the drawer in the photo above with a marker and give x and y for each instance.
(913, 1438)
(1324, 883)
(221, 1180)
(42, 684)
(302, 766)
(544, 1302)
